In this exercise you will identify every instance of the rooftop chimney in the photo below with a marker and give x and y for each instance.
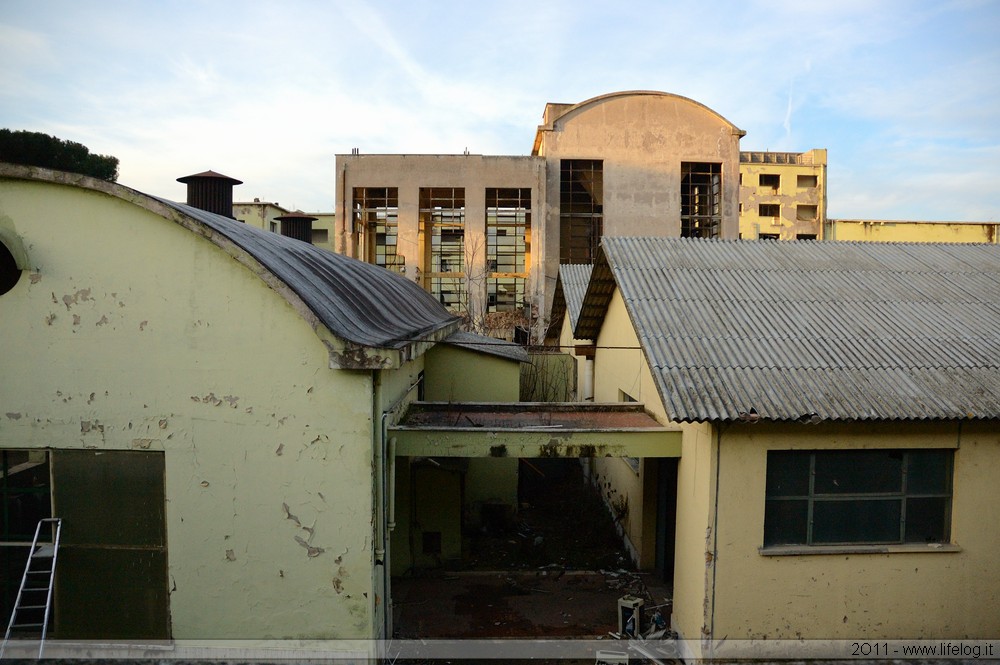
(297, 225)
(211, 191)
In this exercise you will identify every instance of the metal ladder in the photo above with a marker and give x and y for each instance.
(34, 598)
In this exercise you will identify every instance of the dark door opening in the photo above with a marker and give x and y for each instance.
(666, 518)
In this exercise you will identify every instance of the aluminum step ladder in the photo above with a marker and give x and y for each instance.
(29, 618)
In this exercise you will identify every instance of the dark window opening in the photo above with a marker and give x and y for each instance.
(701, 200)
(581, 209)
(768, 210)
(806, 213)
(768, 236)
(508, 244)
(442, 227)
(838, 497)
(772, 180)
(376, 215)
(432, 542)
(805, 236)
(9, 272)
(25, 492)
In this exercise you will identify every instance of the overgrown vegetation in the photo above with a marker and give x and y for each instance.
(37, 149)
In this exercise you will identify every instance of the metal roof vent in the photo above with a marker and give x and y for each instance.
(297, 225)
(211, 191)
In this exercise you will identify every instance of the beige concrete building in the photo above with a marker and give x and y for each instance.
(486, 234)
(839, 448)
(783, 195)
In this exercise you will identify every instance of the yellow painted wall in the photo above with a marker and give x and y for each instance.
(788, 195)
(429, 499)
(912, 231)
(134, 333)
(454, 374)
(261, 215)
(620, 367)
(917, 594)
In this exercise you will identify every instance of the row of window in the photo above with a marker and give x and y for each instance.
(773, 181)
(803, 212)
(581, 205)
(446, 255)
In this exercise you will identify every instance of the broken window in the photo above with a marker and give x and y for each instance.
(24, 489)
(508, 242)
(581, 209)
(806, 181)
(701, 200)
(442, 227)
(768, 210)
(772, 180)
(806, 213)
(376, 216)
(842, 497)
(113, 538)
(768, 236)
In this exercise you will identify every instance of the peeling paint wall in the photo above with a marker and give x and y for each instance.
(134, 333)
(799, 195)
(912, 595)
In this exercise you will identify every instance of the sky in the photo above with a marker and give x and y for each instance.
(904, 94)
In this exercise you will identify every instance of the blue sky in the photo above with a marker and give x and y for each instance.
(905, 94)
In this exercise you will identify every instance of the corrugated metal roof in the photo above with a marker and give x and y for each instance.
(490, 345)
(812, 329)
(575, 278)
(357, 301)
(571, 287)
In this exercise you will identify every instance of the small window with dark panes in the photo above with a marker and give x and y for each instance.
(849, 497)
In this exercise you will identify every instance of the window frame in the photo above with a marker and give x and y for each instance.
(812, 498)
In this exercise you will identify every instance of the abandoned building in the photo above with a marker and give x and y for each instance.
(837, 409)
(486, 234)
(226, 418)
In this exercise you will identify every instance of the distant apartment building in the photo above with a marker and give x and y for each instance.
(783, 195)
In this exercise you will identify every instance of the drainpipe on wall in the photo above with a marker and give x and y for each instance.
(588, 380)
(385, 470)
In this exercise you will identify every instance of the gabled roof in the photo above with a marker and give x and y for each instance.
(809, 330)
(571, 286)
(489, 345)
(381, 318)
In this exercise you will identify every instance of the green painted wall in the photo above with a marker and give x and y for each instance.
(132, 333)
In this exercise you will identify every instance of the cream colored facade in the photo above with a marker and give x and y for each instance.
(728, 587)
(783, 195)
(888, 230)
(127, 333)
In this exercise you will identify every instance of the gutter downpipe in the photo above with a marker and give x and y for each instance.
(715, 537)
(385, 470)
